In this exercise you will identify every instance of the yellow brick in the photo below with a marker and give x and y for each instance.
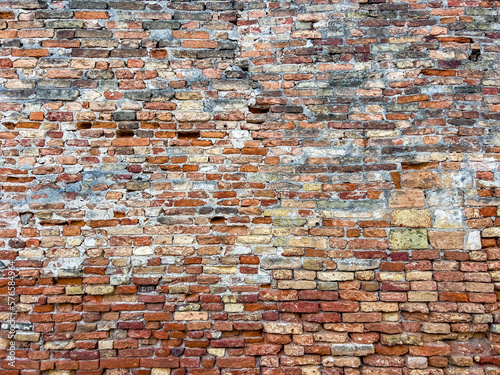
(319, 243)
(191, 315)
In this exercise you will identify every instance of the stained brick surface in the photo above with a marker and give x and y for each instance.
(250, 187)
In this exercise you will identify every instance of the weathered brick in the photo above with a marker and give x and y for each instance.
(283, 328)
(411, 218)
(57, 94)
(446, 240)
(159, 25)
(409, 239)
(406, 198)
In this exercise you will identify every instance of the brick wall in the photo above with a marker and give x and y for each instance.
(250, 187)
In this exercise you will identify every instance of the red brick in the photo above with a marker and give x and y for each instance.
(119, 363)
(169, 362)
(236, 362)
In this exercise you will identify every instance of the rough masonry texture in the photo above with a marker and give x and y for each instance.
(250, 187)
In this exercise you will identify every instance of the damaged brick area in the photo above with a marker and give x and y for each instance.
(250, 187)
